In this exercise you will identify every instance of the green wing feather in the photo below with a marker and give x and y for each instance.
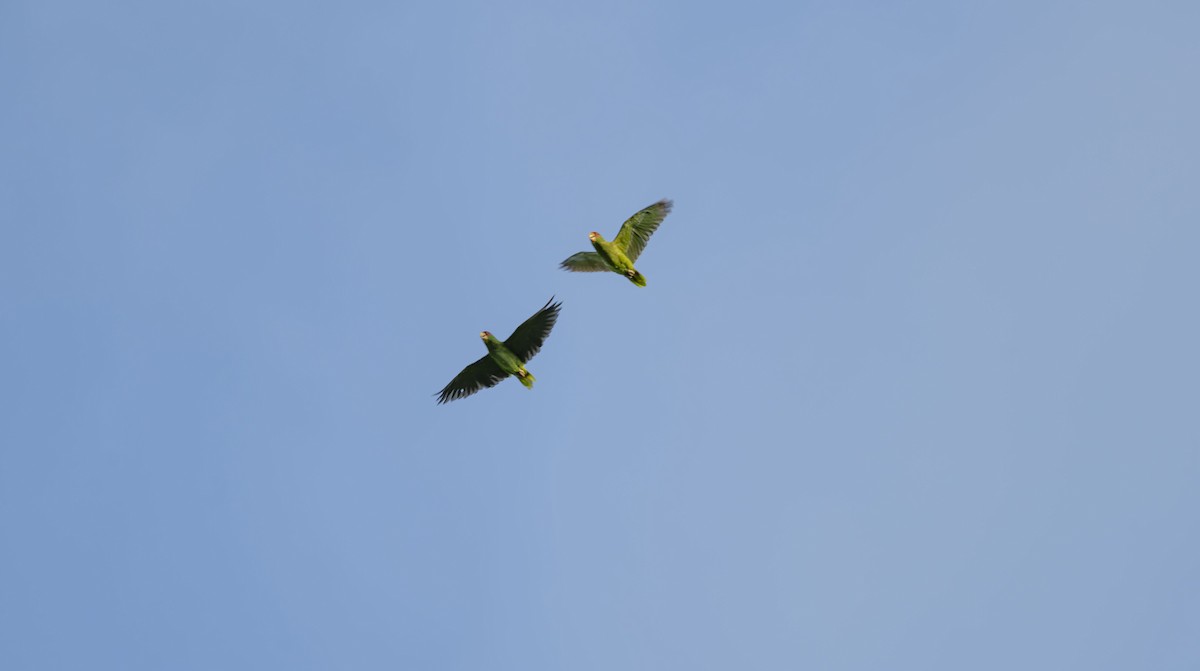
(528, 338)
(636, 231)
(584, 262)
(482, 374)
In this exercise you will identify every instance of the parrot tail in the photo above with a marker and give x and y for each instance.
(526, 379)
(636, 277)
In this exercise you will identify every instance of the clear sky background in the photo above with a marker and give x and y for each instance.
(914, 384)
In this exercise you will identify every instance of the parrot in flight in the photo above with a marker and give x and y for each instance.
(618, 256)
(504, 358)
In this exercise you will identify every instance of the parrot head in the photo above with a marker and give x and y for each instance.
(593, 236)
(485, 335)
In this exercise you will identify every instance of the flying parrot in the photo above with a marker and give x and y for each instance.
(504, 358)
(618, 256)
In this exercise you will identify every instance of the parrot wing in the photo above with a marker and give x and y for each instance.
(482, 374)
(528, 338)
(636, 231)
(584, 262)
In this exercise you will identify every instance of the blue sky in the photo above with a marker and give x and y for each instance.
(913, 384)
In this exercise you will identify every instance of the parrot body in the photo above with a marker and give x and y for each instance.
(504, 358)
(616, 259)
(508, 362)
(619, 255)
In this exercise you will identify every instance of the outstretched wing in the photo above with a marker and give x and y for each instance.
(636, 231)
(529, 336)
(482, 374)
(584, 262)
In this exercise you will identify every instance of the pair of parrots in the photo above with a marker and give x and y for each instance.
(508, 357)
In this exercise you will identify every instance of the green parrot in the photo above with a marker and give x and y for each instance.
(618, 256)
(504, 358)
